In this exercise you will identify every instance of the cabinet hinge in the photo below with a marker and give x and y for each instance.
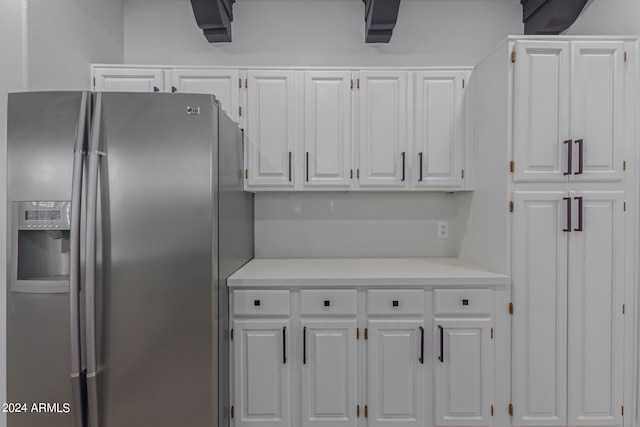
(491, 333)
(240, 83)
(351, 83)
(231, 334)
(462, 173)
(625, 57)
(512, 166)
(358, 411)
(94, 82)
(622, 410)
(513, 56)
(246, 83)
(240, 111)
(357, 333)
(624, 165)
(511, 206)
(624, 206)
(233, 412)
(366, 411)
(510, 308)
(510, 409)
(358, 83)
(358, 173)
(622, 308)
(462, 83)
(246, 174)
(351, 175)
(156, 89)
(492, 410)
(366, 336)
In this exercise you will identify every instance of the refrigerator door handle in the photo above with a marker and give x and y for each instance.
(74, 260)
(90, 265)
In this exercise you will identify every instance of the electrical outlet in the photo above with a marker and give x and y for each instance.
(443, 230)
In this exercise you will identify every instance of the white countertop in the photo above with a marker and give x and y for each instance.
(305, 272)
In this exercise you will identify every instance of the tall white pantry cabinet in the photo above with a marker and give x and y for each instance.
(559, 114)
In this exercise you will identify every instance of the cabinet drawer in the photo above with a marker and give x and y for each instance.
(462, 301)
(395, 302)
(261, 303)
(328, 303)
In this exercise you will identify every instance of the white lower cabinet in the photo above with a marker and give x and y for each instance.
(348, 358)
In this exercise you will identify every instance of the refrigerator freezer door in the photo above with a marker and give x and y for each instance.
(155, 270)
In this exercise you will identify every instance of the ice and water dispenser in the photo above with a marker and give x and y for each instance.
(41, 246)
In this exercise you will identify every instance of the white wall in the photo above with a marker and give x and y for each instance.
(48, 45)
(320, 32)
(358, 224)
(608, 17)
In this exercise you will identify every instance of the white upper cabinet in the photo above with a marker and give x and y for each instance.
(541, 110)
(106, 79)
(597, 98)
(438, 138)
(327, 129)
(224, 84)
(568, 110)
(271, 124)
(382, 145)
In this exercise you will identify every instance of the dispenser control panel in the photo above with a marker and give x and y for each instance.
(44, 215)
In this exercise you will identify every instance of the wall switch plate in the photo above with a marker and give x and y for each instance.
(443, 229)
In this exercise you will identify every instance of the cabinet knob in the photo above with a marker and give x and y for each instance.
(327, 303)
(256, 303)
(465, 302)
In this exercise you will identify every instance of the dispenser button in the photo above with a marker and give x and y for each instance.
(28, 225)
(39, 225)
(57, 225)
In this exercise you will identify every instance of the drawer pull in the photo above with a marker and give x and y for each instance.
(304, 345)
(465, 302)
(256, 303)
(441, 356)
(396, 303)
(284, 344)
(327, 303)
(421, 359)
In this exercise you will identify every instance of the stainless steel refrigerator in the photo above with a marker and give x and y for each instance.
(126, 215)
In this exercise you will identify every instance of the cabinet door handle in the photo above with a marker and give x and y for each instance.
(568, 201)
(289, 166)
(421, 359)
(420, 157)
(284, 344)
(569, 145)
(304, 345)
(441, 357)
(403, 165)
(580, 143)
(579, 227)
(307, 167)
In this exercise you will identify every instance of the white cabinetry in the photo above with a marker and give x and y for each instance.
(439, 132)
(261, 363)
(271, 125)
(382, 145)
(568, 110)
(221, 83)
(463, 366)
(327, 129)
(108, 79)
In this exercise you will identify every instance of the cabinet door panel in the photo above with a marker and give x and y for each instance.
(395, 376)
(541, 110)
(329, 374)
(129, 80)
(539, 322)
(261, 378)
(463, 378)
(596, 291)
(597, 115)
(327, 124)
(271, 126)
(221, 83)
(383, 123)
(438, 138)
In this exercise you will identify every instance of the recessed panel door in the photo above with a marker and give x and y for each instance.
(128, 80)
(221, 83)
